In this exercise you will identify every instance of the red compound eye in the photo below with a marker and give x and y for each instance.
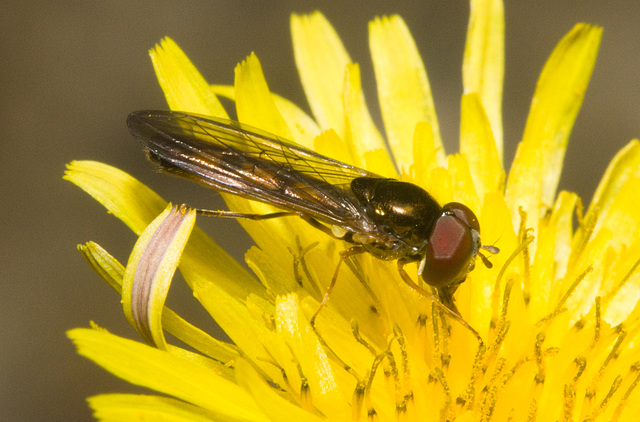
(452, 248)
(464, 213)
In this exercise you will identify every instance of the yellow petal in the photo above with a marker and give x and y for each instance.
(302, 127)
(536, 168)
(622, 217)
(321, 60)
(203, 262)
(552, 254)
(478, 146)
(439, 184)
(137, 205)
(622, 286)
(150, 271)
(625, 164)
(254, 102)
(122, 195)
(294, 330)
(129, 407)
(403, 88)
(273, 405)
(425, 154)
(112, 272)
(104, 264)
(493, 214)
(173, 375)
(184, 87)
(483, 64)
(360, 132)
(329, 143)
(257, 107)
(463, 189)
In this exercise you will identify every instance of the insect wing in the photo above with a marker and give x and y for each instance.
(244, 161)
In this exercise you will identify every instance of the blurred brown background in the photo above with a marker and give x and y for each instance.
(71, 71)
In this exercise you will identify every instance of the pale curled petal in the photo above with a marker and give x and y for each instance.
(203, 260)
(107, 267)
(150, 270)
(137, 205)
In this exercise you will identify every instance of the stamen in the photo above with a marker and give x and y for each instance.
(358, 400)
(496, 288)
(610, 295)
(372, 373)
(390, 371)
(397, 332)
(540, 376)
(305, 395)
(533, 411)
(523, 233)
(505, 301)
(436, 334)
(587, 229)
(613, 354)
(355, 330)
(581, 364)
(404, 386)
(300, 262)
(476, 375)
(569, 402)
(560, 306)
(598, 323)
(625, 397)
(500, 336)
(605, 402)
(442, 379)
(334, 355)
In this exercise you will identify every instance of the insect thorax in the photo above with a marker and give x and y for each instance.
(404, 213)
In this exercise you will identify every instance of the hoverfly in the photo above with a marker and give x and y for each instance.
(388, 218)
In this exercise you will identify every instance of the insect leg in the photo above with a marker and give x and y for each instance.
(230, 214)
(453, 314)
(354, 250)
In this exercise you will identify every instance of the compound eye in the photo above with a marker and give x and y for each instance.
(464, 213)
(450, 253)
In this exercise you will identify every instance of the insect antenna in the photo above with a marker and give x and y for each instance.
(492, 250)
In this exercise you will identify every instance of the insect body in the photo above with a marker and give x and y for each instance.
(388, 218)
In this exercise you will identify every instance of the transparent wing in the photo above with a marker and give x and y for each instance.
(245, 161)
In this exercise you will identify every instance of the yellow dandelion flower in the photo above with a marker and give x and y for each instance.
(557, 313)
